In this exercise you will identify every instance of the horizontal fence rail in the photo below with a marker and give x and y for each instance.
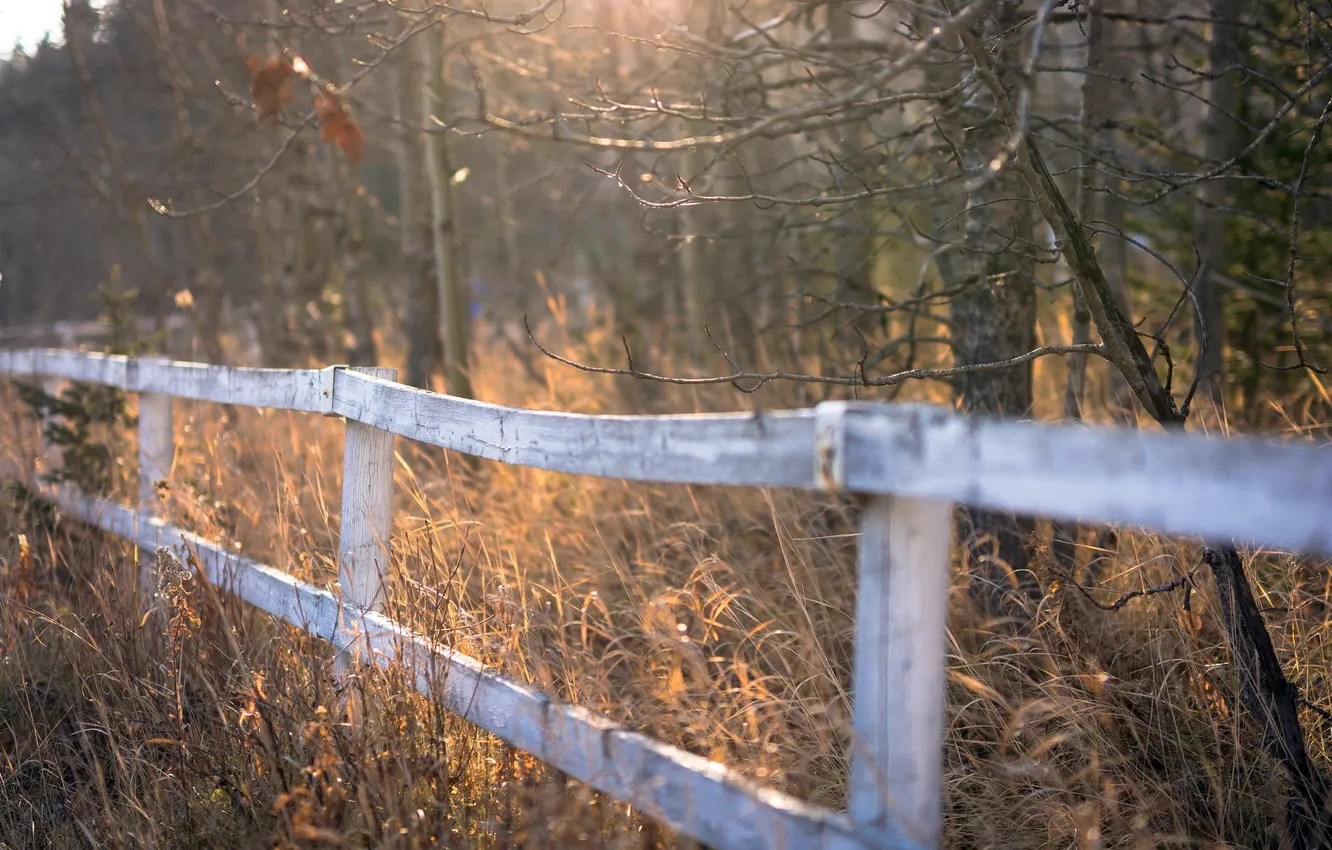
(912, 462)
(1257, 491)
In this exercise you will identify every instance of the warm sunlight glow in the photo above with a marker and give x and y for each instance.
(27, 22)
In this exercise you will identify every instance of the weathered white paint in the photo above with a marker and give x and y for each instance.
(156, 447)
(367, 502)
(1257, 491)
(278, 389)
(326, 376)
(898, 685)
(830, 445)
(773, 449)
(1260, 491)
(157, 454)
(691, 793)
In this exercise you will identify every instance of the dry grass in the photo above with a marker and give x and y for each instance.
(716, 619)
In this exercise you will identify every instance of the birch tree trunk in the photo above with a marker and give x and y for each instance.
(453, 301)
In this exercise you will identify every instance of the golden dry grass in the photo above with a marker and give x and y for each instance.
(716, 619)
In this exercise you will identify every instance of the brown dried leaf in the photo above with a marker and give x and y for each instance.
(352, 141)
(332, 115)
(335, 124)
(269, 86)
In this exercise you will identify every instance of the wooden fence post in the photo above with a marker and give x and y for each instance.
(157, 452)
(367, 498)
(898, 688)
(51, 454)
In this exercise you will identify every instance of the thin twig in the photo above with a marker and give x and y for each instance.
(1185, 582)
(856, 380)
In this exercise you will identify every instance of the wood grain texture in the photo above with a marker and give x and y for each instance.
(157, 452)
(1175, 483)
(156, 447)
(697, 796)
(1166, 482)
(898, 684)
(366, 522)
(367, 502)
(277, 389)
(763, 449)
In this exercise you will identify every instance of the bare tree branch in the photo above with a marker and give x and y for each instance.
(857, 380)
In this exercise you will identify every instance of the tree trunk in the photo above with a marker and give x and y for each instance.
(509, 232)
(1098, 94)
(453, 300)
(361, 349)
(852, 237)
(1220, 136)
(994, 318)
(421, 301)
(358, 323)
(1273, 701)
(275, 343)
(621, 62)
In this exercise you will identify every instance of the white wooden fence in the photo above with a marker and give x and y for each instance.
(910, 462)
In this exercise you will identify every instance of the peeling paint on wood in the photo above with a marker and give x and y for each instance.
(761, 449)
(898, 686)
(367, 514)
(157, 454)
(1174, 483)
(278, 389)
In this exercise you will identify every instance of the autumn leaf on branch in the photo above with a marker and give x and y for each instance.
(335, 124)
(269, 86)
